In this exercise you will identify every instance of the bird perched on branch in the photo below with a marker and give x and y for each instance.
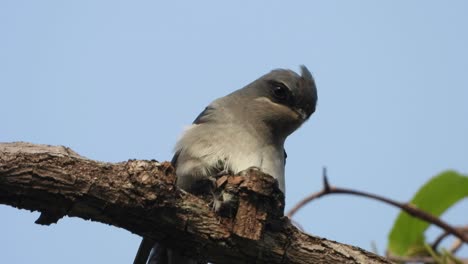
(244, 129)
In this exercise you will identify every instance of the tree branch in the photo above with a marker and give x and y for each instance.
(407, 207)
(141, 197)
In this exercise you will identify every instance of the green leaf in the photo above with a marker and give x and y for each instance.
(437, 195)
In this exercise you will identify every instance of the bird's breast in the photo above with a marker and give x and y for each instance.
(234, 147)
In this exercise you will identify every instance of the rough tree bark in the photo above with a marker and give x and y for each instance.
(140, 196)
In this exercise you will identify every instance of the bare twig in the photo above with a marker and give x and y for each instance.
(456, 245)
(408, 208)
(439, 239)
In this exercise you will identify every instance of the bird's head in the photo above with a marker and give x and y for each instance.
(282, 99)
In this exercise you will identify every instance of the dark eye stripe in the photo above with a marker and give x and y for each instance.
(280, 91)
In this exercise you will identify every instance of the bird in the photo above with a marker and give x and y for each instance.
(244, 129)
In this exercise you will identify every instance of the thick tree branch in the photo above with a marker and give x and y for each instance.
(140, 196)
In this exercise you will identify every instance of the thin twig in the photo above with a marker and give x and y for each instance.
(455, 246)
(408, 208)
(439, 239)
(458, 243)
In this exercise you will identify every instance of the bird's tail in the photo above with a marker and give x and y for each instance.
(143, 251)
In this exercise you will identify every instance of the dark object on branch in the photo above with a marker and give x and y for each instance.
(141, 197)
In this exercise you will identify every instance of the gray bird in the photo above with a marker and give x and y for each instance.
(246, 128)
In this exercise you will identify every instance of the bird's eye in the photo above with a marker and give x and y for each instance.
(280, 92)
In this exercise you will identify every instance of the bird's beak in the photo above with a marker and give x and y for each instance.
(302, 114)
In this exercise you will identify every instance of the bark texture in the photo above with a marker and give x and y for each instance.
(141, 196)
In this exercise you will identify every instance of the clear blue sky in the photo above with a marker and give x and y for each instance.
(115, 80)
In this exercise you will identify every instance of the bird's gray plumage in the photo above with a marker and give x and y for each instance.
(246, 128)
